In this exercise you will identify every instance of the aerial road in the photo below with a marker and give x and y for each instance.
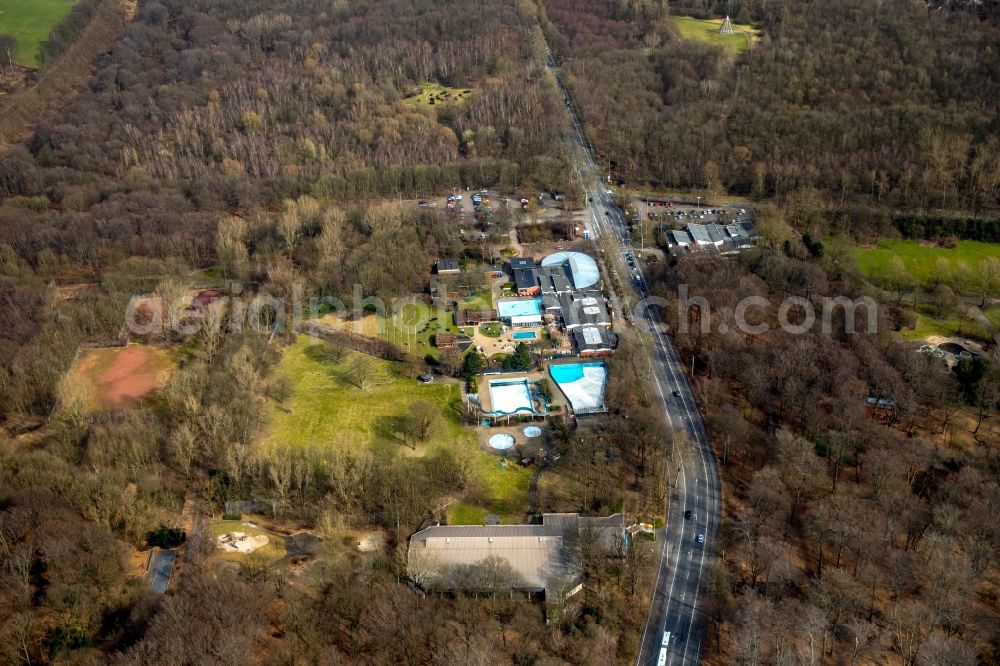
(674, 630)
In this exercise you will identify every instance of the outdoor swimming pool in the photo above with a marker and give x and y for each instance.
(510, 396)
(525, 307)
(502, 441)
(524, 335)
(583, 385)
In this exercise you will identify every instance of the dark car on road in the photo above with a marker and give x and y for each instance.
(688, 514)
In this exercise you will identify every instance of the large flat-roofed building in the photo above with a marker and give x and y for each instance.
(564, 285)
(586, 308)
(521, 312)
(522, 272)
(725, 238)
(558, 273)
(592, 341)
(536, 558)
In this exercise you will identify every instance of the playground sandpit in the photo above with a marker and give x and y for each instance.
(502, 441)
(240, 542)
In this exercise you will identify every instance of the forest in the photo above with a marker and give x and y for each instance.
(887, 104)
(851, 535)
(268, 150)
(271, 146)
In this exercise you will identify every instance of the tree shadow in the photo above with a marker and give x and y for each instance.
(391, 428)
(325, 353)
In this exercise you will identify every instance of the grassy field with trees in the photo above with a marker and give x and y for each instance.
(707, 30)
(30, 22)
(342, 403)
(928, 263)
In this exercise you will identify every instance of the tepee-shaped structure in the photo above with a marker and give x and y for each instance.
(727, 27)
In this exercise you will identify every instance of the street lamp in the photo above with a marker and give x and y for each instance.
(699, 203)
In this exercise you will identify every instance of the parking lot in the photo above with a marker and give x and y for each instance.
(682, 213)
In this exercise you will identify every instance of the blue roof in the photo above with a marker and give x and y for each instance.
(520, 308)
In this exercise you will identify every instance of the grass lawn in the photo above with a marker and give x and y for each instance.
(920, 259)
(481, 300)
(325, 411)
(411, 329)
(928, 325)
(29, 22)
(993, 314)
(435, 94)
(707, 30)
(467, 514)
(491, 329)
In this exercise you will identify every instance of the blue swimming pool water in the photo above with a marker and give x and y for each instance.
(523, 335)
(570, 372)
(521, 308)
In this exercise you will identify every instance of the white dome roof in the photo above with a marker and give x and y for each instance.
(581, 266)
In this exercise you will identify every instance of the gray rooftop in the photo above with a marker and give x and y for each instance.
(594, 339)
(539, 555)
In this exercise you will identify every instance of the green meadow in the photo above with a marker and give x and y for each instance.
(707, 30)
(30, 22)
(920, 260)
(325, 410)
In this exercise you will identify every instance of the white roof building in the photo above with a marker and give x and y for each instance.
(541, 558)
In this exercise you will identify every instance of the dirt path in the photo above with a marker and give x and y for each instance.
(58, 81)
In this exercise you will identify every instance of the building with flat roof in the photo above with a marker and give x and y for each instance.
(520, 312)
(565, 283)
(585, 308)
(536, 558)
(726, 238)
(558, 273)
(447, 267)
(594, 341)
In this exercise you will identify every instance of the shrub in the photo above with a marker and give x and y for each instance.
(166, 537)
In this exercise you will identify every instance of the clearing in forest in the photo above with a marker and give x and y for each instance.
(921, 259)
(435, 94)
(707, 30)
(235, 539)
(30, 22)
(327, 409)
(118, 378)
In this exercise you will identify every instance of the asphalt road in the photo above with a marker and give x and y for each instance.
(684, 563)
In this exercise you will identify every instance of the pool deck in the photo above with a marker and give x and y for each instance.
(486, 400)
(523, 446)
(505, 344)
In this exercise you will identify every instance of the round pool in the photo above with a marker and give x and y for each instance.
(502, 441)
(532, 431)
